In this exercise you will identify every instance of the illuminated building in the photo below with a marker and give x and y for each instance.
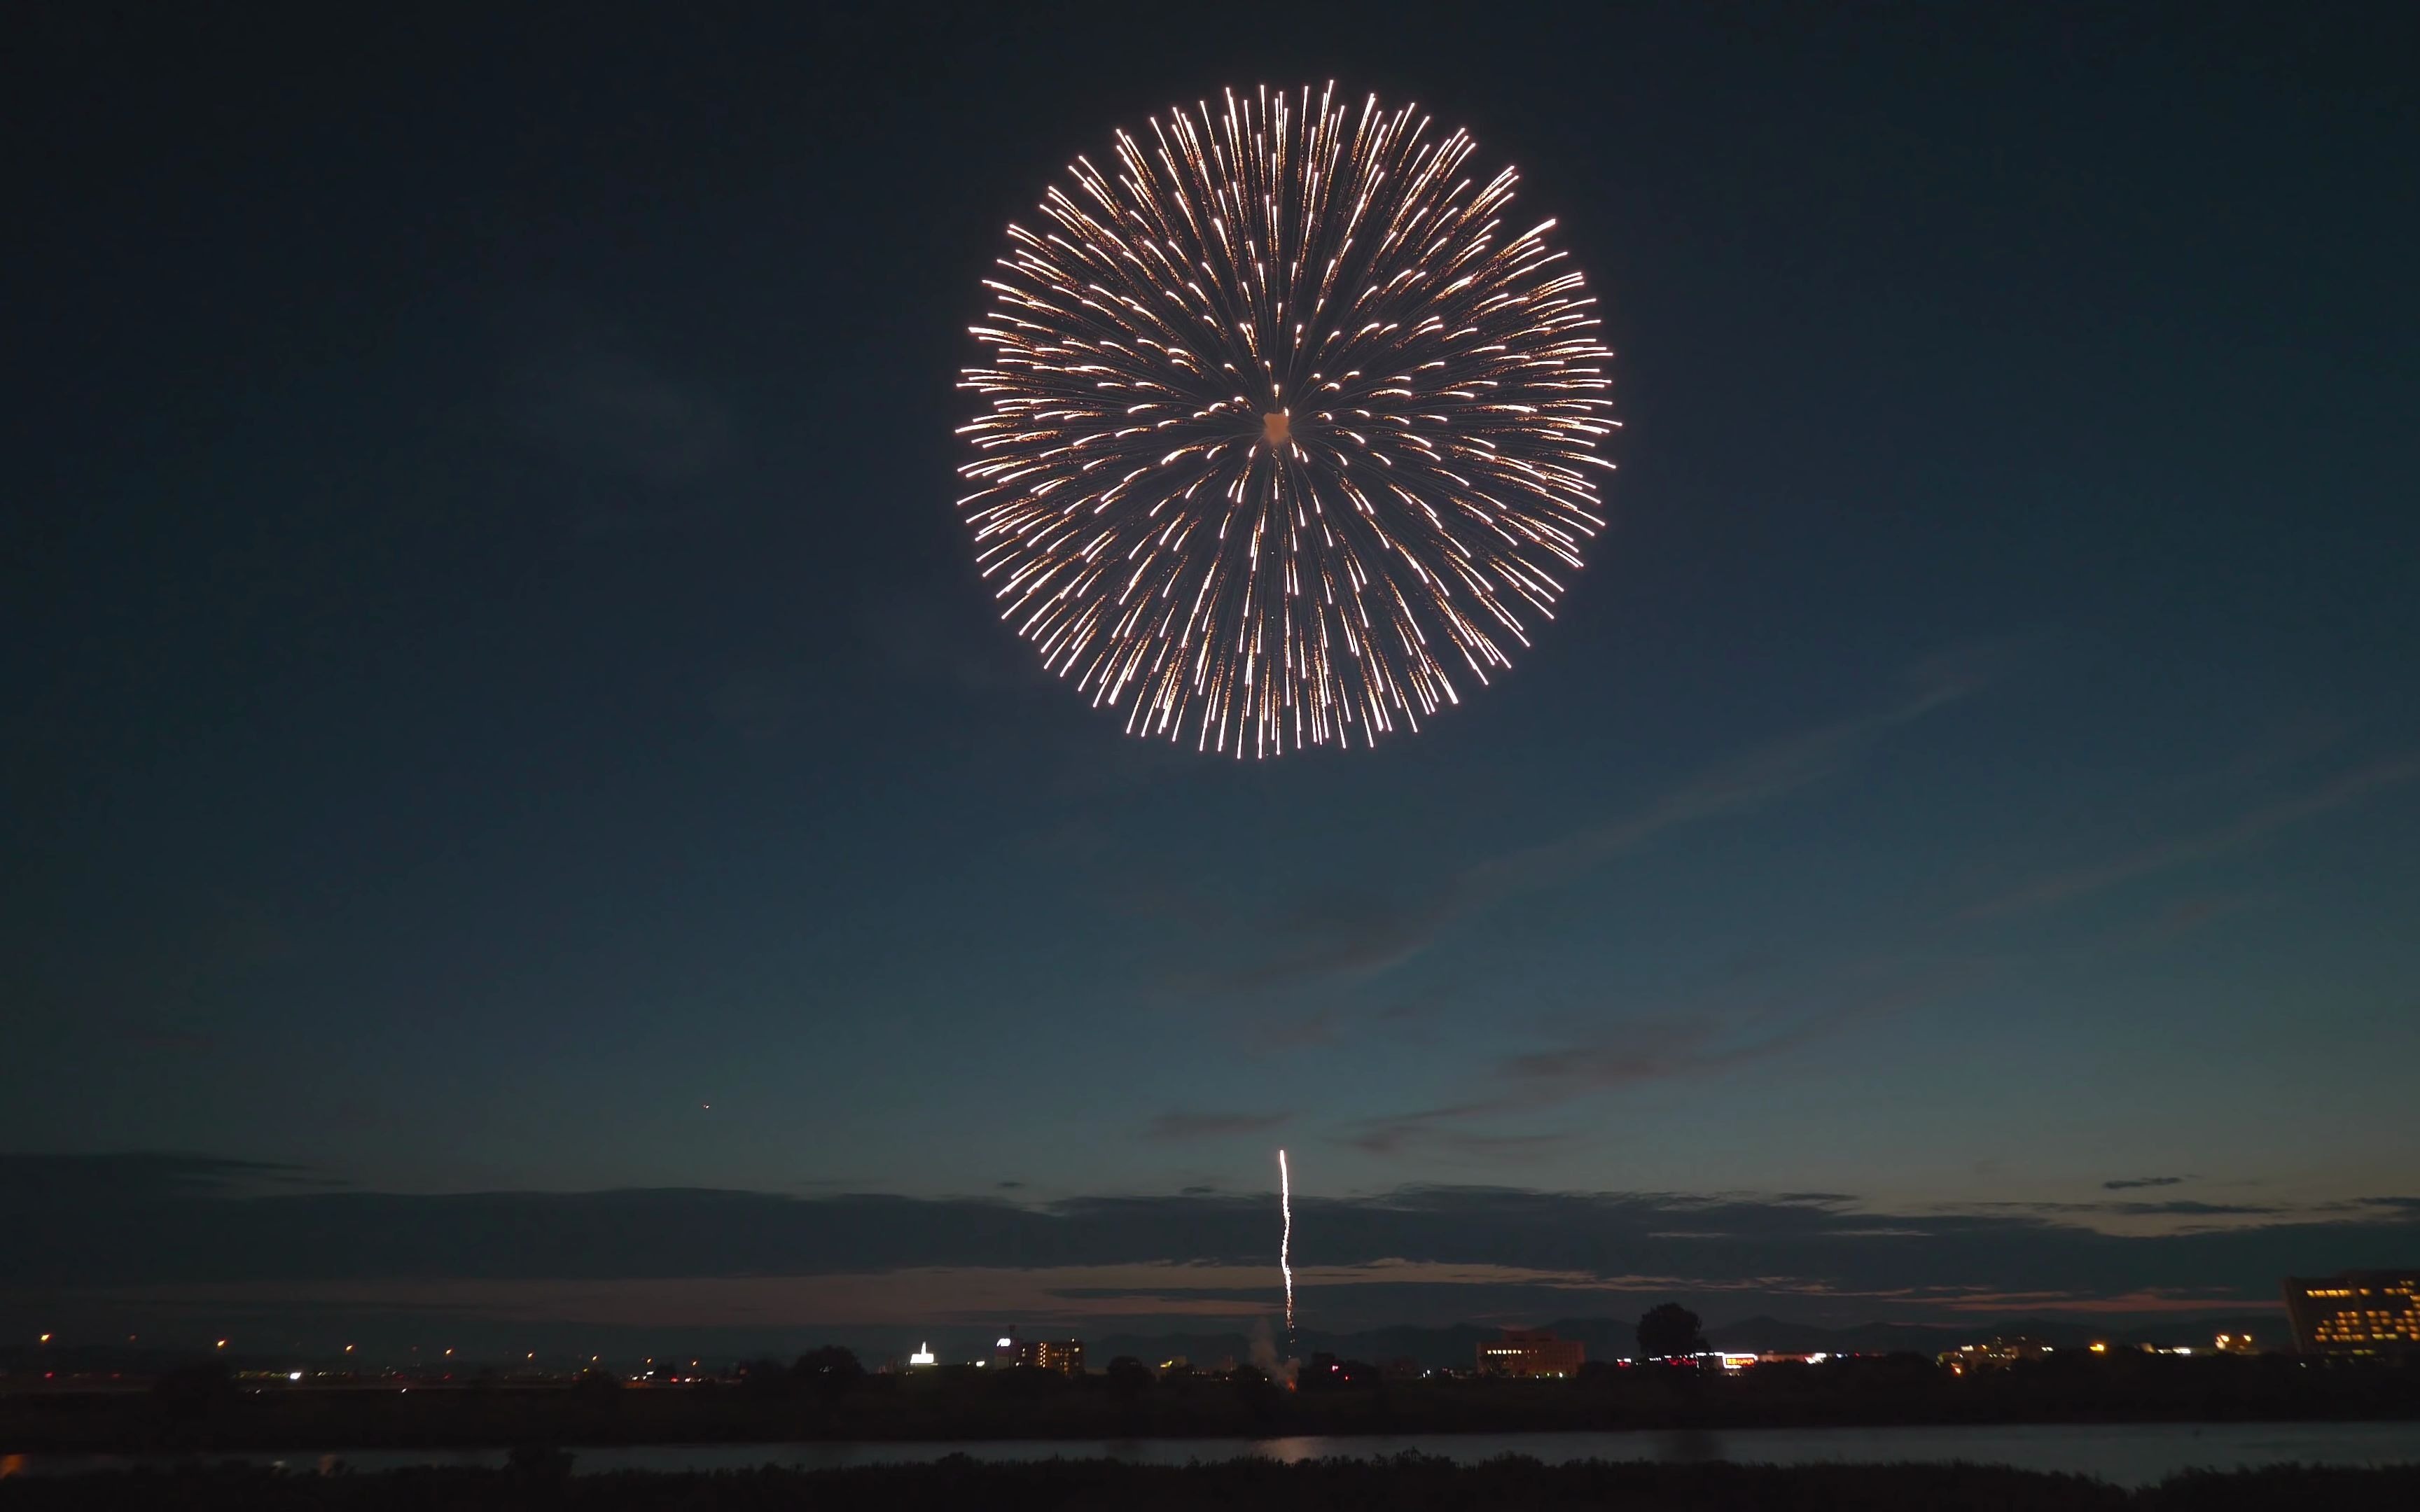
(1997, 1354)
(2236, 1344)
(923, 1357)
(2356, 1314)
(1066, 1356)
(1327, 1372)
(1531, 1351)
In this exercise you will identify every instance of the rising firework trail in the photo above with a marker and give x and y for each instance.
(1285, 1243)
(1286, 427)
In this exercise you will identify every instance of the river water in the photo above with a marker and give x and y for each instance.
(2125, 1454)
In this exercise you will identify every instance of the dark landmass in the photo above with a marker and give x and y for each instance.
(1407, 1484)
(1612, 1338)
(1451, 1346)
(202, 1411)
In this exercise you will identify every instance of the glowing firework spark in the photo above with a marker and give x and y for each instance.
(1285, 1243)
(1282, 421)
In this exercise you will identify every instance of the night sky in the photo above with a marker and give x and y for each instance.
(514, 799)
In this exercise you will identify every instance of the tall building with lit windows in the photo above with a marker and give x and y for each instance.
(1531, 1351)
(1066, 1356)
(2356, 1313)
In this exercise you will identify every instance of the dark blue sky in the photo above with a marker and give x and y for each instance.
(492, 668)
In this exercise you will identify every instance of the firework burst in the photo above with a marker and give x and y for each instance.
(1285, 428)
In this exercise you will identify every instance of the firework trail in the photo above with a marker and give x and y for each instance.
(1285, 427)
(1285, 1243)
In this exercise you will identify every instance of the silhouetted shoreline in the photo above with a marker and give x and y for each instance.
(201, 1415)
(541, 1479)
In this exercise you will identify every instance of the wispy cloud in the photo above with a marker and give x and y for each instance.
(143, 1231)
(2250, 829)
(170, 1037)
(1190, 1125)
(31, 1182)
(2174, 1208)
(1632, 1053)
(1360, 939)
(1640, 1052)
(653, 447)
(590, 399)
(2130, 1184)
(1432, 1129)
(2184, 917)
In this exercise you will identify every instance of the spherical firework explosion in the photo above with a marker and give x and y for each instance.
(1285, 428)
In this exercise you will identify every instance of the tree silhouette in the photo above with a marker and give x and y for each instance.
(1669, 1329)
(831, 1372)
(764, 1377)
(1128, 1376)
(832, 1364)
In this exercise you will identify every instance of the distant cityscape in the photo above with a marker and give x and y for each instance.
(2352, 1317)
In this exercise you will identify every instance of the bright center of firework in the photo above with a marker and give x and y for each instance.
(1287, 422)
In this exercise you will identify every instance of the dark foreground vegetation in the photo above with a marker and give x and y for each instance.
(1409, 1484)
(199, 1412)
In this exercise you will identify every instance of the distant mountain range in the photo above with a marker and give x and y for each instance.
(1611, 1338)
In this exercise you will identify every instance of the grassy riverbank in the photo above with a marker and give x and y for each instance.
(1410, 1484)
(200, 1413)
